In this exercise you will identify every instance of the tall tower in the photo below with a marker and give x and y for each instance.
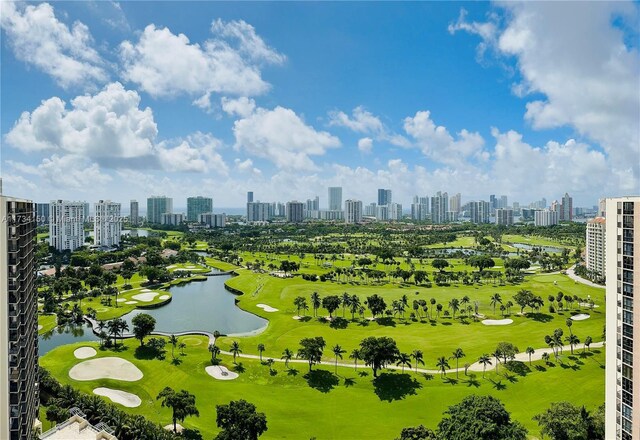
(156, 206)
(622, 377)
(107, 224)
(134, 213)
(18, 320)
(335, 198)
(198, 205)
(566, 208)
(384, 197)
(353, 211)
(66, 225)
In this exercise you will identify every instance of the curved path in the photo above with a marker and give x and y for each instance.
(477, 366)
(572, 274)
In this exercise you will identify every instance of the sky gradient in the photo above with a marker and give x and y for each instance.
(125, 100)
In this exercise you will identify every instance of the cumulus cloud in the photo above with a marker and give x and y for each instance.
(282, 137)
(197, 153)
(437, 143)
(578, 60)
(242, 106)
(365, 145)
(38, 38)
(365, 122)
(69, 171)
(108, 124)
(164, 64)
(246, 166)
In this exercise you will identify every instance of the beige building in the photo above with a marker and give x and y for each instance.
(622, 382)
(595, 249)
(78, 428)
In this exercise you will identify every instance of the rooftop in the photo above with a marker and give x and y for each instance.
(78, 428)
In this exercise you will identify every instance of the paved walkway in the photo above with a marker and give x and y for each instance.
(477, 366)
(572, 274)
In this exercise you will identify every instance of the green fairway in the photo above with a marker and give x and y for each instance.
(338, 407)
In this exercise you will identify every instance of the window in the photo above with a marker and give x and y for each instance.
(627, 207)
(627, 385)
(627, 318)
(627, 276)
(627, 358)
(627, 398)
(627, 344)
(627, 290)
(627, 249)
(626, 412)
(627, 331)
(627, 372)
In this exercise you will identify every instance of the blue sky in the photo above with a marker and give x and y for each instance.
(130, 99)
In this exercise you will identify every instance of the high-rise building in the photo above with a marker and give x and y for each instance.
(622, 377)
(156, 206)
(312, 208)
(249, 196)
(382, 213)
(134, 213)
(259, 212)
(546, 218)
(395, 211)
(455, 203)
(480, 211)
(439, 208)
(335, 198)
(353, 211)
(87, 210)
(295, 212)
(66, 225)
(602, 208)
(504, 216)
(198, 205)
(19, 319)
(384, 197)
(107, 224)
(42, 214)
(503, 202)
(213, 220)
(566, 208)
(371, 209)
(420, 208)
(170, 218)
(493, 202)
(595, 248)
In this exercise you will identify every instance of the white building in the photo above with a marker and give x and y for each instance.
(504, 216)
(107, 224)
(66, 225)
(353, 211)
(331, 215)
(295, 212)
(595, 249)
(395, 211)
(420, 208)
(169, 218)
(546, 218)
(439, 208)
(213, 220)
(479, 211)
(455, 203)
(622, 378)
(259, 212)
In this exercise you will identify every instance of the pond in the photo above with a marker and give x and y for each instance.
(528, 247)
(199, 305)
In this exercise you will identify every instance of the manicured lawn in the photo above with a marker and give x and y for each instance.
(345, 406)
(48, 323)
(533, 240)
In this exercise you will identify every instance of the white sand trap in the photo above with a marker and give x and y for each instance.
(221, 373)
(163, 297)
(106, 368)
(581, 317)
(85, 352)
(118, 396)
(297, 317)
(121, 300)
(39, 327)
(266, 308)
(589, 305)
(145, 297)
(179, 427)
(497, 321)
(131, 302)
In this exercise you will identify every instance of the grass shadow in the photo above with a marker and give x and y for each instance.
(305, 319)
(349, 382)
(339, 323)
(147, 353)
(446, 323)
(322, 380)
(239, 368)
(292, 372)
(386, 321)
(540, 368)
(363, 373)
(176, 361)
(517, 367)
(472, 382)
(540, 317)
(498, 385)
(512, 378)
(428, 376)
(450, 380)
(389, 387)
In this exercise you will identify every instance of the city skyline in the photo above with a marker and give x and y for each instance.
(493, 113)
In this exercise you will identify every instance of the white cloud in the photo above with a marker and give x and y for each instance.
(165, 65)
(365, 145)
(242, 106)
(109, 124)
(38, 38)
(196, 153)
(365, 122)
(281, 136)
(576, 57)
(436, 142)
(246, 166)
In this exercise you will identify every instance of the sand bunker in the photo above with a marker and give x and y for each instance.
(39, 327)
(121, 300)
(581, 317)
(163, 297)
(221, 373)
(266, 308)
(85, 352)
(118, 396)
(497, 321)
(146, 296)
(297, 318)
(131, 302)
(179, 427)
(588, 305)
(106, 368)
(146, 290)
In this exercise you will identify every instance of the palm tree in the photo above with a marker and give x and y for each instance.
(300, 303)
(432, 301)
(315, 302)
(545, 357)
(572, 340)
(260, 350)
(457, 355)
(338, 352)
(438, 310)
(454, 305)
(346, 301)
(464, 301)
(270, 362)
(530, 351)
(496, 354)
(418, 357)
(287, 355)
(235, 350)
(443, 365)
(174, 342)
(354, 305)
(484, 360)
(403, 359)
(356, 356)
(182, 346)
(182, 403)
(215, 351)
(587, 342)
(569, 323)
(495, 300)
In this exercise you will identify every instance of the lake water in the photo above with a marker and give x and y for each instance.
(528, 247)
(199, 305)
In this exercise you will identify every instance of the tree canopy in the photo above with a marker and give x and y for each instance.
(239, 420)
